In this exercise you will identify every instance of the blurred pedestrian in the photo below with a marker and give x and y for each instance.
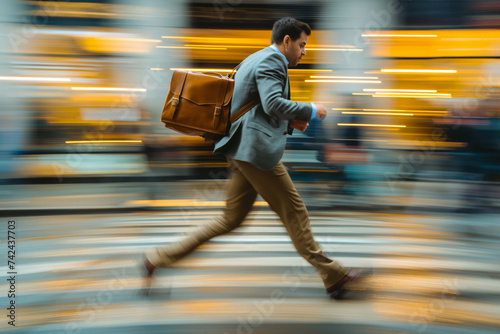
(254, 148)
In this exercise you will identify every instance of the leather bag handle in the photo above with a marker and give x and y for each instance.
(214, 74)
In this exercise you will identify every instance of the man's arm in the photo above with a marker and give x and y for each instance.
(271, 79)
(302, 125)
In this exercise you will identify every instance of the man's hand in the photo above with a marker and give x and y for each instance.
(299, 125)
(320, 111)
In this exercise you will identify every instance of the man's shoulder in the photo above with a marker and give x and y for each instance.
(258, 55)
(263, 55)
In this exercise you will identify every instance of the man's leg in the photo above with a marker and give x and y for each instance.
(240, 198)
(276, 187)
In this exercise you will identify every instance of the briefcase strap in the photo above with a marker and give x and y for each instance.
(178, 89)
(244, 109)
(219, 101)
(231, 75)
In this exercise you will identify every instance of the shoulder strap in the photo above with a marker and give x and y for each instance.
(247, 106)
(244, 109)
(231, 75)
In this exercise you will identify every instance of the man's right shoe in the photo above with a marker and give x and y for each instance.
(339, 289)
(148, 270)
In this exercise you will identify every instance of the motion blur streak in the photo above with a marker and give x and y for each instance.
(402, 175)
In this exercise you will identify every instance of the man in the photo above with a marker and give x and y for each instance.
(254, 148)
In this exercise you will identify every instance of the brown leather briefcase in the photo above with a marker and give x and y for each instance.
(199, 104)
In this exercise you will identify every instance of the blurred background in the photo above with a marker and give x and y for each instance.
(403, 173)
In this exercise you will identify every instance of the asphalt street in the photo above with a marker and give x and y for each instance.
(78, 273)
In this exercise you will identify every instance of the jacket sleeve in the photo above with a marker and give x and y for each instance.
(271, 78)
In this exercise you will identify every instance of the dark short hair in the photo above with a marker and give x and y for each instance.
(288, 26)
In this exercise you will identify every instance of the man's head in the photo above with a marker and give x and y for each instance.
(290, 36)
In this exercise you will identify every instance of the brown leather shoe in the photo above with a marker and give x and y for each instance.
(339, 289)
(148, 270)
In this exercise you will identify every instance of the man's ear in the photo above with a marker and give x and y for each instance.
(286, 41)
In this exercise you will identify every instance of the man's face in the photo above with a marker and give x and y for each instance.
(294, 50)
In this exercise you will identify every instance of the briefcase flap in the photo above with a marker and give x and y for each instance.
(205, 89)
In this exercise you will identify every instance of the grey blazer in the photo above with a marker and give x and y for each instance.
(259, 136)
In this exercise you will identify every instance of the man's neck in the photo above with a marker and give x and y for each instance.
(280, 47)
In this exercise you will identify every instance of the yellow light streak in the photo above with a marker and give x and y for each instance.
(217, 39)
(426, 142)
(399, 90)
(236, 40)
(36, 79)
(112, 89)
(225, 46)
(375, 113)
(157, 69)
(331, 46)
(202, 69)
(180, 37)
(406, 93)
(350, 81)
(372, 125)
(147, 40)
(341, 77)
(396, 35)
(308, 70)
(389, 110)
(392, 70)
(132, 39)
(190, 47)
(392, 111)
(471, 39)
(469, 49)
(101, 141)
(411, 111)
(413, 96)
(332, 49)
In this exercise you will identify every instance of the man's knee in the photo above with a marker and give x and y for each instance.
(223, 225)
(233, 218)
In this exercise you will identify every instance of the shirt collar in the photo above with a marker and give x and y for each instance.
(277, 50)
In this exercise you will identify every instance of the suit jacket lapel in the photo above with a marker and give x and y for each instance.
(287, 84)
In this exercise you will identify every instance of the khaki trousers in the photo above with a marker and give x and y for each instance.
(275, 187)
